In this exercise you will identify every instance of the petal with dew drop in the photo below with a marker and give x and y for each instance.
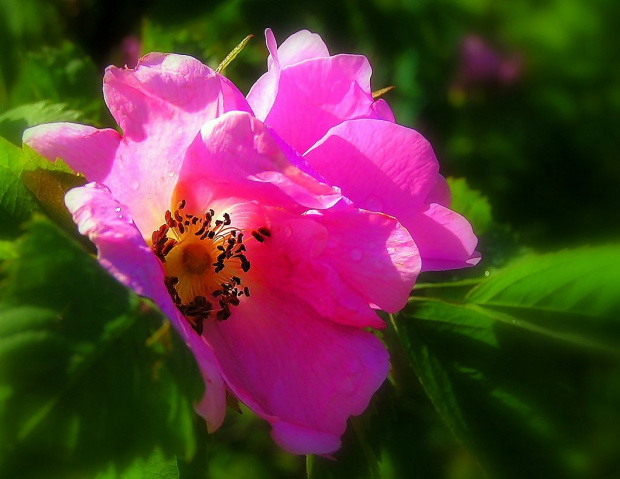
(304, 374)
(374, 254)
(161, 105)
(123, 252)
(445, 238)
(236, 154)
(292, 260)
(85, 149)
(390, 168)
(381, 166)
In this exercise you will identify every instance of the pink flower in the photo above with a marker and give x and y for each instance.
(481, 64)
(268, 230)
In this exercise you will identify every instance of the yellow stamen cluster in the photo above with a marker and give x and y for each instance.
(204, 259)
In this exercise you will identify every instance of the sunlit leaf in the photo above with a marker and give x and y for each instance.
(471, 204)
(528, 366)
(28, 182)
(584, 281)
(155, 466)
(81, 387)
(13, 122)
(59, 75)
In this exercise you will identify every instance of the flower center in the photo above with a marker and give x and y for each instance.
(204, 260)
(196, 259)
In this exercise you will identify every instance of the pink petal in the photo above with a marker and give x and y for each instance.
(389, 168)
(164, 88)
(383, 111)
(381, 166)
(161, 106)
(320, 94)
(374, 254)
(446, 239)
(123, 252)
(301, 101)
(294, 260)
(300, 46)
(237, 155)
(302, 373)
(440, 192)
(263, 93)
(85, 149)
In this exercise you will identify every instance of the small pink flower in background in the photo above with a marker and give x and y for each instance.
(270, 229)
(482, 64)
(130, 51)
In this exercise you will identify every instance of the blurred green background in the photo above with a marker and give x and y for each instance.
(521, 98)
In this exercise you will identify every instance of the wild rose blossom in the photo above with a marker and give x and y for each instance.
(269, 230)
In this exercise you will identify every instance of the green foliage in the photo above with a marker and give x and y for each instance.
(156, 466)
(59, 75)
(359, 460)
(13, 122)
(91, 376)
(471, 204)
(526, 364)
(30, 183)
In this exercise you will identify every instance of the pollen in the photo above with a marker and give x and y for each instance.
(204, 259)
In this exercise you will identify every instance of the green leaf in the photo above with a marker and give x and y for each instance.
(471, 204)
(28, 182)
(358, 458)
(59, 75)
(8, 250)
(156, 466)
(91, 375)
(584, 281)
(526, 370)
(13, 122)
(572, 295)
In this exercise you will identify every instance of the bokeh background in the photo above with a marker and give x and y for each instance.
(520, 99)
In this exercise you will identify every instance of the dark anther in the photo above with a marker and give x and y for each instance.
(171, 282)
(264, 231)
(258, 237)
(201, 230)
(168, 246)
(245, 264)
(170, 222)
